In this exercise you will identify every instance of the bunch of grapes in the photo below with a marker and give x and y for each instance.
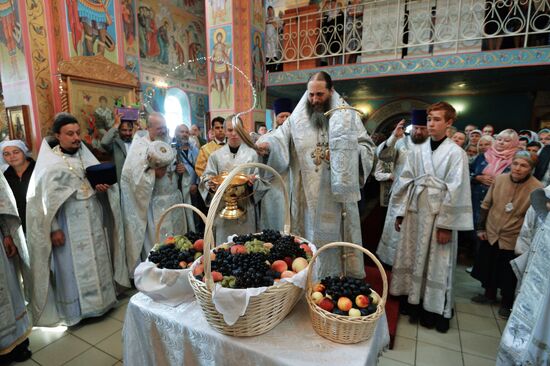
(193, 236)
(268, 236)
(169, 257)
(250, 270)
(285, 246)
(345, 286)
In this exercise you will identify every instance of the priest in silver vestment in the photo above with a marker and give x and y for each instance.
(233, 153)
(15, 324)
(71, 234)
(329, 160)
(395, 150)
(526, 338)
(432, 200)
(149, 186)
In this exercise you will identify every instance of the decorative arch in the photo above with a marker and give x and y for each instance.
(185, 105)
(386, 117)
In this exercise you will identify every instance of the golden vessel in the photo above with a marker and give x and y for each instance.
(236, 191)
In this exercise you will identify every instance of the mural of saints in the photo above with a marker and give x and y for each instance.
(9, 30)
(258, 68)
(221, 58)
(89, 20)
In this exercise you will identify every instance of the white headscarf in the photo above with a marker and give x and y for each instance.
(12, 143)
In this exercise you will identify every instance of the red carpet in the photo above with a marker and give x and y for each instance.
(392, 305)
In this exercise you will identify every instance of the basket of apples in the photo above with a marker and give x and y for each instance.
(163, 276)
(345, 309)
(258, 273)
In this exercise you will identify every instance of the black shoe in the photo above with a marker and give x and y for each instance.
(414, 313)
(482, 299)
(427, 319)
(504, 313)
(404, 307)
(21, 353)
(6, 359)
(442, 325)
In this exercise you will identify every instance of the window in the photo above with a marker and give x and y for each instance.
(173, 113)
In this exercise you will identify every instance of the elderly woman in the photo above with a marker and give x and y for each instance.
(484, 143)
(460, 139)
(501, 217)
(18, 174)
(496, 160)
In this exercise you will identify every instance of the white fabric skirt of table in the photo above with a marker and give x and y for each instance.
(157, 334)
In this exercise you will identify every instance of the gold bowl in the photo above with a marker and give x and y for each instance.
(236, 191)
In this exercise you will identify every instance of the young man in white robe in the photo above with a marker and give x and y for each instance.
(15, 324)
(149, 186)
(395, 150)
(329, 159)
(70, 233)
(233, 153)
(526, 338)
(432, 200)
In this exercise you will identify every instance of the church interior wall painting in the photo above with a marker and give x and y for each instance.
(258, 68)
(199, 108)
(130, 36)
(219, 12)
(12, 57)
(258, 9)
(221, 80)
(169, 38)
(92, 29)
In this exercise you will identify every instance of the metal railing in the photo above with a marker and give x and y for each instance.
(390, 29)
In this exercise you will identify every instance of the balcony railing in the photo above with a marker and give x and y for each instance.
(390, 29)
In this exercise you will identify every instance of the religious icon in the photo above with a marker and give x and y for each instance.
(221, 70)
(19, 124)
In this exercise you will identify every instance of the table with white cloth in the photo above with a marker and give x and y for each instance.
(158, 334)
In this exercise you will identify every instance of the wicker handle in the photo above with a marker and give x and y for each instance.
(213, 212)
(182, 205)
(357, 247)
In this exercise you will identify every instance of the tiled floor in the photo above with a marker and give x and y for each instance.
(472, 340)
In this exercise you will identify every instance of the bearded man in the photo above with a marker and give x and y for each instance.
(329, 160)
(149, 185)
(395, 150)
(117, 141)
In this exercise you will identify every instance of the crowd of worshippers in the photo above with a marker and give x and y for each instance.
(444, 187)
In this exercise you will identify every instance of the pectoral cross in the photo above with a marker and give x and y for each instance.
(318, 155)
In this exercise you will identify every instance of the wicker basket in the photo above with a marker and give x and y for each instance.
(264, 311)
(338, 328)
(153, 282)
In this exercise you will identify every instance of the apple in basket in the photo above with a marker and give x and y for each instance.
(257, 260)
(353, 296)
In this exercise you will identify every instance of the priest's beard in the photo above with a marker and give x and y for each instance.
(418, 139)
(316, 114)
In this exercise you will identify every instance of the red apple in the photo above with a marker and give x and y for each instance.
(183, 264)
(217, 276)
(198, 245)
(238, 249)
(287, 274)
(279, 266)
(198, 270)
(306, 248)
(326, 304)
(319, 287)
(344, 304)
(299, 264)
(362, 301)
(170, 240)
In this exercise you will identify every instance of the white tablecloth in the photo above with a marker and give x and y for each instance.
(157, 334)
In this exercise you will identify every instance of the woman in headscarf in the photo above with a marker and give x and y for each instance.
(501, 217)
(496, 160)
(20, 165)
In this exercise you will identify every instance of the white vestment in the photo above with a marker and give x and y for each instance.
(394, 151)
(433, 192)
(144, 200)
(73, 281)
(321, 211)
(526, 338)
(223, 160)
(15, 324)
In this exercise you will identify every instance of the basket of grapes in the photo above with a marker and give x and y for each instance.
(345, 309)
(163, 276)
(247, 286)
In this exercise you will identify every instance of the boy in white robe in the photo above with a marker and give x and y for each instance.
(432, 199)
(15, 325)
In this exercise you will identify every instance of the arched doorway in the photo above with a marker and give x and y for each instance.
(385, 118)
